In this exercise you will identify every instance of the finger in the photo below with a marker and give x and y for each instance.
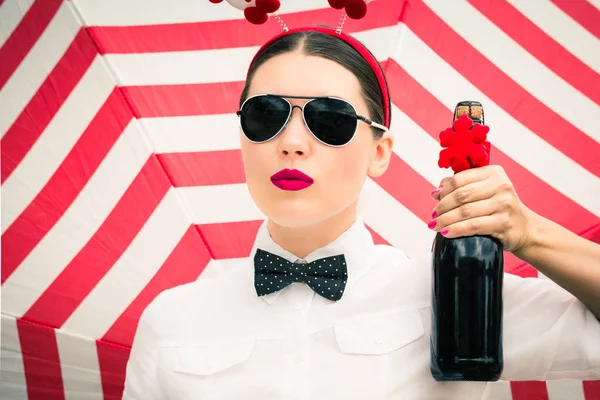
(462, 213)
(470, 193)
(486, 225)
(464, 178)
(436, 193)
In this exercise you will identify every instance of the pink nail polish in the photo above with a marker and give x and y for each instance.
(444, 231)
(436, 191)
(434, 215)
(431, 224)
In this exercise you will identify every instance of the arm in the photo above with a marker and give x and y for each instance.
(568, 259)
(547, 333)
(140, 376)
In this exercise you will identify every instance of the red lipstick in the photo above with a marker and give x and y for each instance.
(291, 179)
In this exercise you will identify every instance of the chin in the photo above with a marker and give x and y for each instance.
(295, 215)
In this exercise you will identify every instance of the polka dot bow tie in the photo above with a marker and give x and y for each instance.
(326, 276)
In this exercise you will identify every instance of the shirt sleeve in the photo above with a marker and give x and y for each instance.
(547, 332)
(141, 371)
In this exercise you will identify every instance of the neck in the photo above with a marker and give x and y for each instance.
(301, 241)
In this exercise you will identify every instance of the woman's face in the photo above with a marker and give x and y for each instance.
(338, 173)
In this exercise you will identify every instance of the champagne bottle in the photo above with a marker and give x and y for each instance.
(466, 335)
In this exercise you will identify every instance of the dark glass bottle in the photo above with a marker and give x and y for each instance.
(467, 311)
(466, 336)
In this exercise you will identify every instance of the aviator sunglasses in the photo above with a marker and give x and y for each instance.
(331, 120)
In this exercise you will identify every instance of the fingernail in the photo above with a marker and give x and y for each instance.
(436, 191)
(434, 214)
(431, 224)
(444, 231)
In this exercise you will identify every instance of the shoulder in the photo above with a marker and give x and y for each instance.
(221, 281)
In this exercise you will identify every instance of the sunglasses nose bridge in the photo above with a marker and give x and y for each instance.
(301, 108)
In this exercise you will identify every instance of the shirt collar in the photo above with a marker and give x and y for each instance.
(356, 244)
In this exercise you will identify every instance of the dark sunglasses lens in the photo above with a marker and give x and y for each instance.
(332, 121)
(262, 117)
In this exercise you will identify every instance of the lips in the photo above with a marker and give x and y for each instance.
(291, 180)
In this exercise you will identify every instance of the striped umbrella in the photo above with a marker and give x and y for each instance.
(122, 177)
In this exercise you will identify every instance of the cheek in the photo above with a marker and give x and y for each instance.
(348, 171)
(253, 158)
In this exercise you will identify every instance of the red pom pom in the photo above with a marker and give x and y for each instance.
(255, 16)
(337, 4)
(465, 145)
(268, 6)
(356, 9)
(215, 1)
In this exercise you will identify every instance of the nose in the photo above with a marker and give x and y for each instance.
(295, 140)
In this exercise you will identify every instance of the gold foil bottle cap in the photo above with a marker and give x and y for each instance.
(473, 109)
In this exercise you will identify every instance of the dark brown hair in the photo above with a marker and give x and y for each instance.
(334, 49)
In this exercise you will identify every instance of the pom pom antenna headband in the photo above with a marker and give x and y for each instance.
(257, 12)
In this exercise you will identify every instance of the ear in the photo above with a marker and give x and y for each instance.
(380, 158)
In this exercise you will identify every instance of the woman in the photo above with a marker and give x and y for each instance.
(363, 334)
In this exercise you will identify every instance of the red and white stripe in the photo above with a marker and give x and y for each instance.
(107, 134)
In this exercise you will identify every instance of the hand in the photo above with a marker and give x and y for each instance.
(481, 201)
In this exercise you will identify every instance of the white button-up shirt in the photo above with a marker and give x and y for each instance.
(216, 339)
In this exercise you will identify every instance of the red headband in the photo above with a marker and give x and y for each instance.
(356, 45)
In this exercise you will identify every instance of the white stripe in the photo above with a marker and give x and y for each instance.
(562, 28)
(11, 13)
(519, 65)
(124, 13)
(499, 390)
(180, 67)
(193, 133)
(512, 138)
(79, 223)
(80, 367)
(222, 65)
(220, 203)
(57, 140)
(565, 389)
(393, 221)
(12, 384)
(133, 271)
(37, 64)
